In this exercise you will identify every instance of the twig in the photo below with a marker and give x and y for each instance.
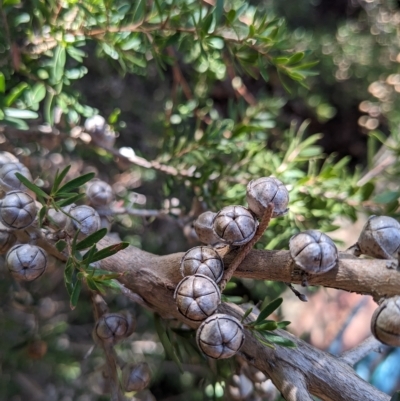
(354, 355)
(264, 223)
(298, 294)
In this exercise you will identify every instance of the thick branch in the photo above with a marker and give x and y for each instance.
(295, 371)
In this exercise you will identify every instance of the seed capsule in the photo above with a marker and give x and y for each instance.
(380, 237)
(114, 327)
(57, 220)
(7, 157)
(241, 387)
(136, 377)
(17, 210)
(264, 190)
(7, 239)
(385, 322)
(204, 228)
(86, 219)
(26, 262)
(220, 336)
(202, 260)
(99, 193)
(197, 297)
(8, 179)
(235, 225)
(313, 251)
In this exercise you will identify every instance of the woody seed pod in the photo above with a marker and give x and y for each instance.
(203, 226)
(240, 387)
(99, 193)
(265, 190)
(380, 237)
(136, 377)
(385, 322)
(26, 262)
(7, 239)
(112, 328)
(202, 260)
(8, 179)
(235, 225)
(17, 210)
(7, 157)
(313, 251)
(86, 219)
(197, 297)
(220, 336)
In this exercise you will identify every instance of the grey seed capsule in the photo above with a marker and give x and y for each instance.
(385, 322)
(7, 157)
(203, 226)
(313, 251)
(220, 336)
(26, 262)
(8, 179)
(235, 225)
(197, 297)
(17, 210)
(7, 239)
(240, 387)
(265, 190)
(380, 237)
(202, 260)
(136, 377)
(99, 193)
(57, 220)
(114, 327)
(86, 219)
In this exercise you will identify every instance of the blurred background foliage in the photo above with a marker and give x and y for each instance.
(200, 97)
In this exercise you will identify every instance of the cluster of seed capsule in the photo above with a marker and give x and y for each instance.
(197, 295)
(19, 211)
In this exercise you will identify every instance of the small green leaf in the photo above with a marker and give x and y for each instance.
(38, 93)
(2, 83)
(271, 307)
(76, 182)
(91, 239)
(87, 257)
(296, 58)
(11, 2)
(283, 324)
(109, 251)
(271, 325)
(70, 200)
(113, 117)
(247, 313)
(15, 93)
(18, 113)
(75, 294)
(34, 188)
(278, 340)
(60, 245)
(218, 10)
(58, 179)
(206, 23)
(166, 343)
(42, 215)
(59, 59)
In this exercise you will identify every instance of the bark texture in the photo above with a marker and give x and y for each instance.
(296, 372)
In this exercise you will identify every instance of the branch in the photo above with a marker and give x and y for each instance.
(296, 372)
(355, 354)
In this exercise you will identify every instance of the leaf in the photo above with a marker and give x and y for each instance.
(218, 10)
(76, 182)
(206, 23)
(59, 59)
(18, 113)
(283, 324)
(271, 307)
(11, 2)
(296, 58)
(70, 200)
(165, 341)
(60, 245)
(2, 83)
(91, 239)
(42, 214)
(109, 251)
(15, 93)
(138, 12)
(48, 112)
(247, 313)
(58, 179)
(278, 340)
(38, 93)
(271, 325)
(34, 188)
(75, 294)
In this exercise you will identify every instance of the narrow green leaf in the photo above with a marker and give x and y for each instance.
(206, 23)
(18, 113)
(70, 200)
(60, 245)
(58, 179)
(75, 294)
(15, 93)
(296, 58)
(2, 83)
(218, 10)
(165, 341)
(278, 340)
(76, 182)
(109, 251)
(42, 215)
(247, 313)
(283, 324)
(59, 59)
(34, 188)
(48, 108)
(38, 93)
(271, 307)
(271, 325)
(68, 271)
(93, 285)
(91, 239)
